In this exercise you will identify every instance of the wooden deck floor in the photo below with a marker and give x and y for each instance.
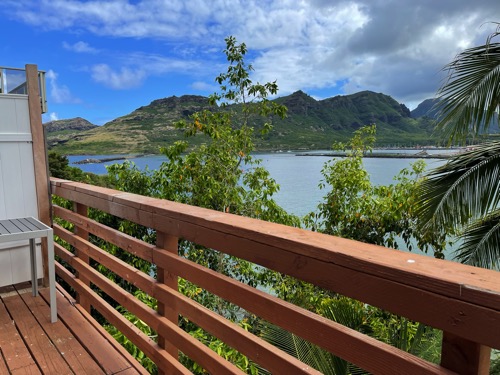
(30, 344)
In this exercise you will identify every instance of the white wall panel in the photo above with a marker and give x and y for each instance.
(17, 186)
(14, 114)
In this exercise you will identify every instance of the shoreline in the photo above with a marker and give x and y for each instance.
(421, 154)
(418, 155)
(105, 160)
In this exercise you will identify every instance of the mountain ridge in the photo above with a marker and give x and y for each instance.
(426, 108)
(60, 130)
(310, 124)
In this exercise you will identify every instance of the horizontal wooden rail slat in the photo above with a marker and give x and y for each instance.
(407, 289)
(319, 331)
(116, 265)
(258, 350)
(128, 243)
(344, 342)
(461, 300)
(250, 345)
(384, 358)
(210, 360)
(459, 281)
(144, 343)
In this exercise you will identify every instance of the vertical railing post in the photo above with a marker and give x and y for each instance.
(39, 159)
(82, 210)
(463, 356)
(167, 243)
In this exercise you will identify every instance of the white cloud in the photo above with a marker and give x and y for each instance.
(392, 46)
(59, 93)
(52, 116)
(126, 78)
(136, 67)
(79, 47)
(158, 64)
(203, 86)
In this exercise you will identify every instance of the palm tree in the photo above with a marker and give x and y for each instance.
(462, 197)
(414, 338)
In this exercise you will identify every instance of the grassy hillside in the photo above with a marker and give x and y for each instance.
(310, 124)
(60, 131)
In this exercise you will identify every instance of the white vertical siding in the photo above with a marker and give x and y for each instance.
(17, 185)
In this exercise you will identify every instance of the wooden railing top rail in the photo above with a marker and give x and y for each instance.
(459, 299)
(469, 284)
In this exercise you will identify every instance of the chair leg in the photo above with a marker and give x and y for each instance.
(34, 279)
(52, 277)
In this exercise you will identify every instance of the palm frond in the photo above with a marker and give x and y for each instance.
(465, 188)
(343, 310)
(426, 343)
(303, 350)
(481, 242)
(348, 312)
(471, 94)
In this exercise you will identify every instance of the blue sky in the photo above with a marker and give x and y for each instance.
(106, 58)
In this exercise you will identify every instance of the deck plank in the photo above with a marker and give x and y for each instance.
(70, 348)
(90, 338)
(29, 370)
(47, 356)
(136, 367)
(3, 364)
(119, 349)
(31, 344)
(14, 350)
(129, 371)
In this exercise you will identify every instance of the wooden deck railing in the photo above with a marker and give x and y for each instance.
(462, 301)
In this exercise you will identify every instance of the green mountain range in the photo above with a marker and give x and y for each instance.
(310, 124)
(426, 108)
(59, 131)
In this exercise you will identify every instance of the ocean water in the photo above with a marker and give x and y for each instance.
(298, 176)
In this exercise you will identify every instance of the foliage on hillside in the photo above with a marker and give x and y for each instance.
(60, 131)
(426, 108)
(355, 208)
(309, 124)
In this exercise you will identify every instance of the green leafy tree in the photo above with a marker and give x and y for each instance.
(384, 215)
(355, 208)
(59, 167)
(462, 196)
(221, 174)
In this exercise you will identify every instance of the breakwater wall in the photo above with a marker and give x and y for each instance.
(418, 155)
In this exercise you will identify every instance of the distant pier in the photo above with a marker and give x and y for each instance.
(418, 155)
(96, 161)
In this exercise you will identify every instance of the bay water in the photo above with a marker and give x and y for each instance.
(298, 176)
